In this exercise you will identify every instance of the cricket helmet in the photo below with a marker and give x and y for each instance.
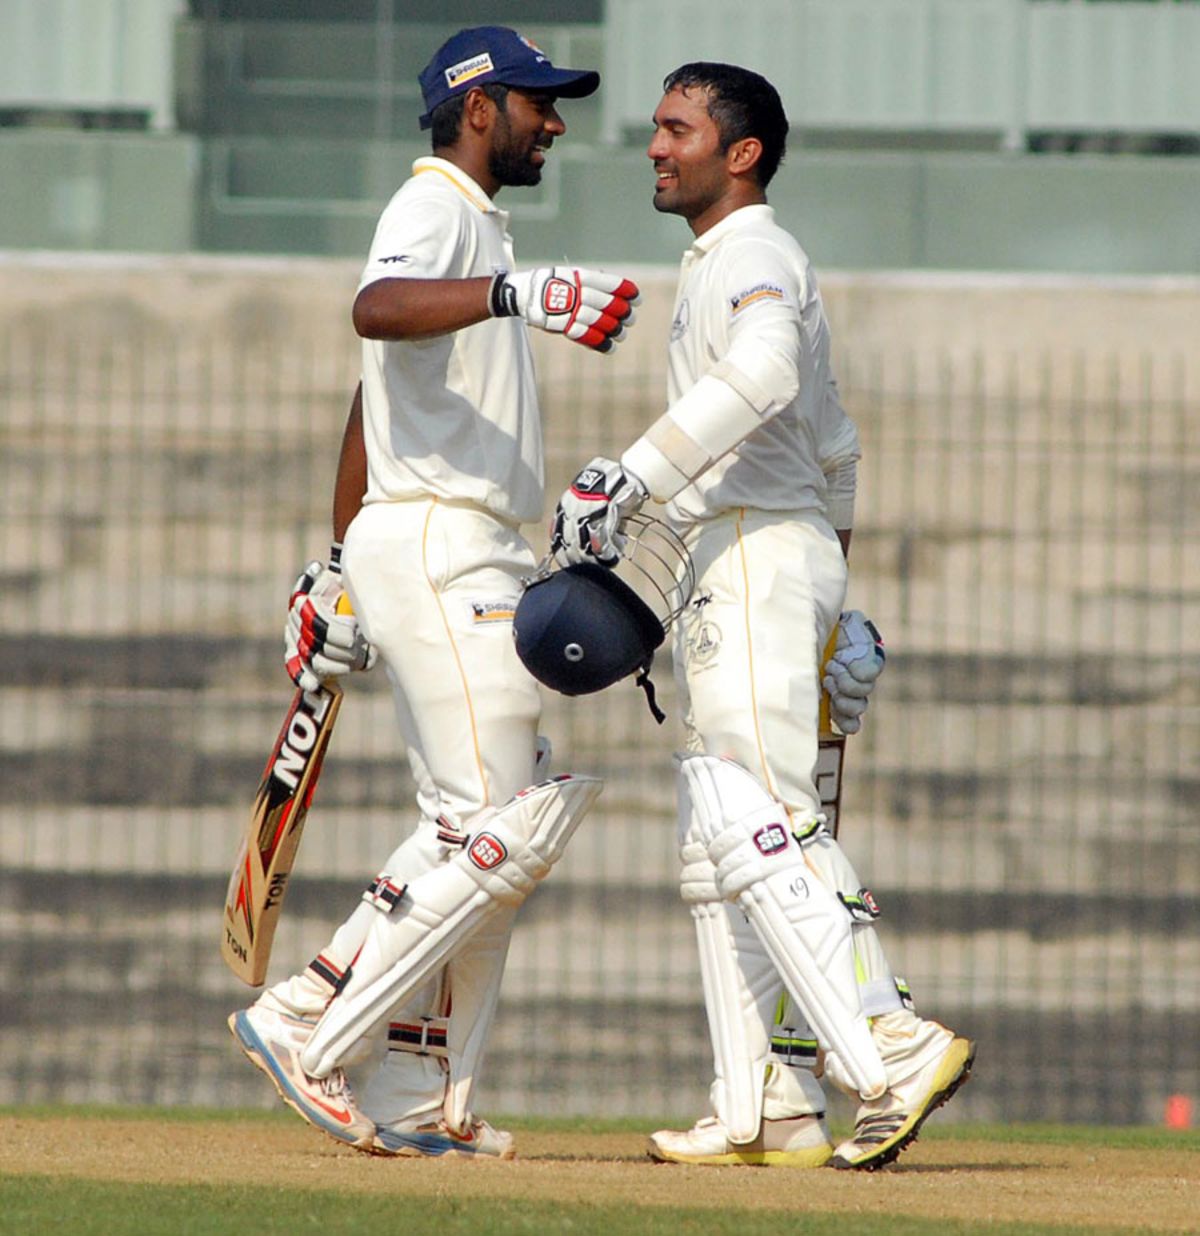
(580, 628)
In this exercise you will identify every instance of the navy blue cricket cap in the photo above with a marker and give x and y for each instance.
(496, 54)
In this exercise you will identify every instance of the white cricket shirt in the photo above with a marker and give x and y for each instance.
(747, 295)
(455, 417)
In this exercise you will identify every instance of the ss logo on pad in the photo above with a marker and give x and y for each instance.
(487, 851)
(771, 840)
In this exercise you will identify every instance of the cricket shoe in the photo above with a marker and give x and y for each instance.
(424, 1138)
(938, 1061)
(801, 1141)
(274, 1041)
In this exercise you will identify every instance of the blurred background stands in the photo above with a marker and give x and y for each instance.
(939, 134)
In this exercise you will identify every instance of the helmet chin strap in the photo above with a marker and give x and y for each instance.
(643, 681)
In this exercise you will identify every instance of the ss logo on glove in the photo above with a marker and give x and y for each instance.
(558, 297)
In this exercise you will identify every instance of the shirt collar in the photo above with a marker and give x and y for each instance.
(744, 216)
(431, 164)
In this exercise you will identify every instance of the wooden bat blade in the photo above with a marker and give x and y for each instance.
(267, 853)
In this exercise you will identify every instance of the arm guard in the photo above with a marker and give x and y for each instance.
(760, 375)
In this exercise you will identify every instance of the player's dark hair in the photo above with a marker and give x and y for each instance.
(743, 104)
(446, 120)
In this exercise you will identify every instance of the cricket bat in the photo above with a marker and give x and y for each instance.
(267, 853)
(831, 754)
(254, 899)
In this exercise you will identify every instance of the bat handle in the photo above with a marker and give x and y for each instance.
(824, 720)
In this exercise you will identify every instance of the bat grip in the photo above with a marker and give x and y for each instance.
(824, 720)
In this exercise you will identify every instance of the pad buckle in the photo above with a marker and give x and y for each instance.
(425, 1037)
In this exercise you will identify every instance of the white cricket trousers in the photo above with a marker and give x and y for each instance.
(434, 585)
(769, 588)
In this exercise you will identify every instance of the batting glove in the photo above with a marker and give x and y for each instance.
(851, 671)
(319, 641)
(588, 518)
(589, 306)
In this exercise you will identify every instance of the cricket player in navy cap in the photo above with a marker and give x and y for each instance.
(441, 464)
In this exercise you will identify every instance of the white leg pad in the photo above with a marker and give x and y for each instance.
(804, 928)
(741, 989)
(510, 849)
(474, 979)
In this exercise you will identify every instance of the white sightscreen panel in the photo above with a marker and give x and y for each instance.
(101, 54)
(1115, 67)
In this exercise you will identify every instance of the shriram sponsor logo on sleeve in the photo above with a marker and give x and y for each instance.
(753, 295)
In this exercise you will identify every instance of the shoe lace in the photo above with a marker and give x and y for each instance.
(335, 1086)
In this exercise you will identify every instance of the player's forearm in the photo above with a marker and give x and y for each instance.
(351, 482)
(395, 309)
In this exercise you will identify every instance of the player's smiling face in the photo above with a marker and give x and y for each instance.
(691, 173)
(524, 130)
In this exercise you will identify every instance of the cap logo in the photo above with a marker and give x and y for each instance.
(533, 47)
(467, 70)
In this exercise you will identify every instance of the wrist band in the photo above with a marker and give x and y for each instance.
(502, 297)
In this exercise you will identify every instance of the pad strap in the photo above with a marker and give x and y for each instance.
(425, 1036)
(511, 849)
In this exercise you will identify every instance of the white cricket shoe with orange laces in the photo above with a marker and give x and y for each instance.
(273, 1041)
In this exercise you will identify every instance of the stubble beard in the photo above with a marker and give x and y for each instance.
(508, 163)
